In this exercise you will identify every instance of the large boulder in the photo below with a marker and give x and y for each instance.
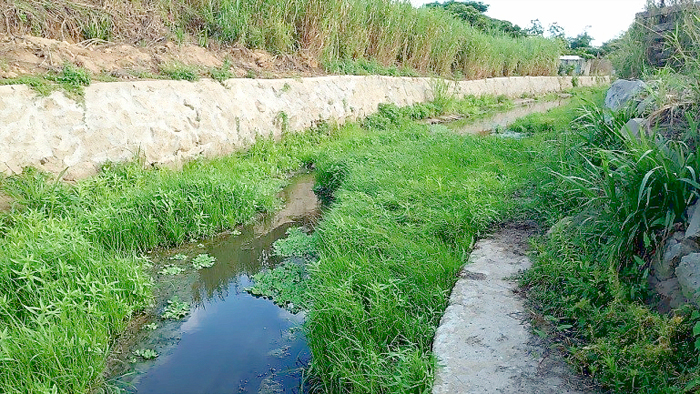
(622, 92)
(688, 273)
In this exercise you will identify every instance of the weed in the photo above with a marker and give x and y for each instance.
(180, 71)
(221, 73)
(151, 326)
(179, 256)
(146, 354)
(286, 285)
(171, 270)
(203, 261)
(175, 310)
(297, 244)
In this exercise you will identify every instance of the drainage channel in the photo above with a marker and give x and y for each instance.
(499, 121)
(230, 341)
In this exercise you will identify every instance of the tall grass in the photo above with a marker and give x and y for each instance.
(389, 32)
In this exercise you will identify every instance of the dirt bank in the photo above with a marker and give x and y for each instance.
(28, 55)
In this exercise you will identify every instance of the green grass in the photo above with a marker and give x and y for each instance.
(179, 71)
(408, 204)
(67, 251)
(71, 80)
(612, 199)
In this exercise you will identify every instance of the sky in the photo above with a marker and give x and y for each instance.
(603, 19)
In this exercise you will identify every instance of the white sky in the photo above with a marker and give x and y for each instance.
(606, 18)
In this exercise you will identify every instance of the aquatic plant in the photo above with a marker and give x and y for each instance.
(203, 261)
(178, 256)
(171, 270)
(297, 244)
(146, 354)
(285, 285)
(176, 309)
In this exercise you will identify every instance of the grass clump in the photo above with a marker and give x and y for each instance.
(180, 71)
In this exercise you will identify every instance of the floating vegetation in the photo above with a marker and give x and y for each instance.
(146, 354)
(203, 261)
(176, 309)
(285, 285)
(178, 256)
(297, 244)
(171, 270)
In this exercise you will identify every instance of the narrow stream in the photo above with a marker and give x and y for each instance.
(231, 342)
(501, 120)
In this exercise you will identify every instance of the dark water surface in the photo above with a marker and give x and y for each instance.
(231, 342)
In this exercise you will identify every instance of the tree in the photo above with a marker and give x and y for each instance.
(556, 31)
(472, 12)
(535, 28)
(582, 40)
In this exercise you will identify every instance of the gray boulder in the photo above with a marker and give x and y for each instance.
(693, 214)
(665, 263)
(635, 127)
(621, 92)
(688, 273)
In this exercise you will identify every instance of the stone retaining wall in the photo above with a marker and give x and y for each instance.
(168, 122)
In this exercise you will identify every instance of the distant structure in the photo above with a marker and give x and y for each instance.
(576, 65)
(657, 23)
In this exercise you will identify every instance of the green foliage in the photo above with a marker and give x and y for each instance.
(405, 215)
(146, 354)
(203, 261)
(297, 244)
(613, 197)
(221, 73)
(286, 285)
(171, 270)
(472, 12)
(180, 71)
(62, 295)
(363, 36)
(178, 256)
(176, 309)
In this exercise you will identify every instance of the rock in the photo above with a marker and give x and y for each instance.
(635, 127)
(693, 214)
(671, 294)
(688, 274)
(664, 266)
(622, 92)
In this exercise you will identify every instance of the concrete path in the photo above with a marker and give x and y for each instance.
(484, 343)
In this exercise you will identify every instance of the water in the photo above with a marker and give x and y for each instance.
(501, 120)
(231, 342)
